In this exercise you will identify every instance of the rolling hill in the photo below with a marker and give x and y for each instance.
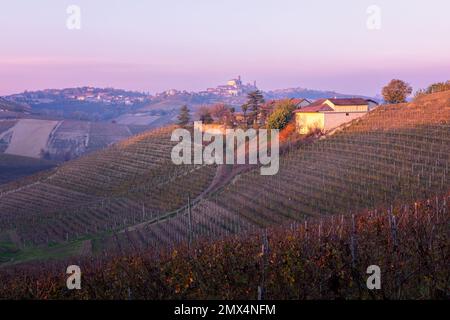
(395, 154)
(131, 182)
(305, 93)
(7, 105)
(13, 167)
(60, 140)
(131, 196)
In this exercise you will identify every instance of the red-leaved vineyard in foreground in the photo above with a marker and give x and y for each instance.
(320, 259)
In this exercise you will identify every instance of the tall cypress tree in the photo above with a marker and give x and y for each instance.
(255, 100)
(184, 117)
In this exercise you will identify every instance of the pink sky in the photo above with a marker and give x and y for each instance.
(193, 45)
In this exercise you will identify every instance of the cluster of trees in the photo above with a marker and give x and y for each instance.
(433, 88)
(221, 112)
(397, 91)
(255, 112)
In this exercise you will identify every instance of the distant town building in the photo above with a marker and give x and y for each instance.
(83, 94)
(172, 92)
(233, 87)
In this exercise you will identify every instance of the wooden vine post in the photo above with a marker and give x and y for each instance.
(189, 221)
(264, 256)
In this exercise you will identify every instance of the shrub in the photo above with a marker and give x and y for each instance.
(281, 115)
(287, 132)
(433, 88)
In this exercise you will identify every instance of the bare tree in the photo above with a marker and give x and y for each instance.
(396, 91)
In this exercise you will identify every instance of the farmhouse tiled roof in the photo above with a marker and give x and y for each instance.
(314, 109)
(298, 100)
(349, 102)
(319, 104)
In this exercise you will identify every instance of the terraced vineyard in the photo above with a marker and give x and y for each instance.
(208, 221)
(5, 125)
(103, 134)
(128, 183)
(396, 154)
(322, 258)
(13, 167)
(130, 196)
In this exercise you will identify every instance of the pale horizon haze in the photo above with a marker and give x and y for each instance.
(194, 44)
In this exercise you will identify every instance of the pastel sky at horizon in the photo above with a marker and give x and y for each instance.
(194, 44)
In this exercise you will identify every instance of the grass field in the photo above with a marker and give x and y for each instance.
(13, 167)
(30, 137)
